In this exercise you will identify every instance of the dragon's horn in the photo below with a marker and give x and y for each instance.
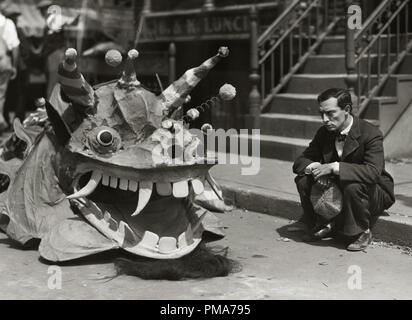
(129, 74)
(72, 81)
(59, 126)
(175, 94)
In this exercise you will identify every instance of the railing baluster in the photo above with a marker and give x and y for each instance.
(309, 30)
(281, 59)
(334, 9)
(369, 71)
(262, 80)
(300, 41)
(406, 24)
(290, 50)
(326, 13)
(388, 49)
(358, 71)
(272, 70)
(398, 44)
(317, 19)
(379, 57)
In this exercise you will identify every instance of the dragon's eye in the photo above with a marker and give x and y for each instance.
(105, 138)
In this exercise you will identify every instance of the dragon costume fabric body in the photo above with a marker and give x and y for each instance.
(95, 169)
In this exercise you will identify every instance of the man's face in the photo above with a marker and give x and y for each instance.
(333, 117)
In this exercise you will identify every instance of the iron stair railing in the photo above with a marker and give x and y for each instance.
(286, 44)
(382, 28)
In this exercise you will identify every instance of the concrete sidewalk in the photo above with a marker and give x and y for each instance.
(273, 191)
(271, 268)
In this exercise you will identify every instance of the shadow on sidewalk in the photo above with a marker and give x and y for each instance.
(30, 245)
(336, 242)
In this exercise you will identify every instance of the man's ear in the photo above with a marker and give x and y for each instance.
(59, 126)
(348, 108)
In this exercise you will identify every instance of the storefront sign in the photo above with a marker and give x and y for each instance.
(195, 27)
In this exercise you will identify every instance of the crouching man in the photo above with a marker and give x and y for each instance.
(348, 151)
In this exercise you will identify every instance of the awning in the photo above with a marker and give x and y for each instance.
(115, 22)
(31, 22)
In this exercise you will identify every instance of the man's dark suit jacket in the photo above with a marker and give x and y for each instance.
(362, 159)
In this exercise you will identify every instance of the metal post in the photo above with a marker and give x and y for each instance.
(351, 76)
(254, 77)
(172, 62)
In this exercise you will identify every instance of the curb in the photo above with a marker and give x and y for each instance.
(394, 228)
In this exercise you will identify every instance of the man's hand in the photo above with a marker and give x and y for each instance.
(309, 169)
(322, 170)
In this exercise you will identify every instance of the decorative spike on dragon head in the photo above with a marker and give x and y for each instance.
(96, 168)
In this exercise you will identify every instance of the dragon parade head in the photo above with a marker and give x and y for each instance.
(112, 166)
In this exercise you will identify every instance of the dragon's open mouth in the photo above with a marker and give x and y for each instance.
(102, 188)
(155, 219)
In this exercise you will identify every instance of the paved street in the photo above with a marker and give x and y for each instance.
(273, 268)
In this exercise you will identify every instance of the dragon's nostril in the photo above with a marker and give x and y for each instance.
(105, 138)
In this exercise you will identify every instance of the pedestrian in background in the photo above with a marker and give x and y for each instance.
(9, 53)
(15, 105)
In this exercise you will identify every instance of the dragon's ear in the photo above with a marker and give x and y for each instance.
(59, 126)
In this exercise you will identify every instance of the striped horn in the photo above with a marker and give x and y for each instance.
(175, 94)
(72, 81)
(129, 74)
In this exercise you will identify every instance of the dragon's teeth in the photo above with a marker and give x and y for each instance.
(189, 234)
(113, 182)
(149, 240)
(145, 192)
(89, 187)
(126, 234)
(181, 241)
(197, 186)
(124, 183)
(167, 244)
(180, 189)
(105, 180)
(133, 185)
(164, 188)
(110, 221)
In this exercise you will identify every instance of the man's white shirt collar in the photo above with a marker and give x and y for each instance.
(347, 129)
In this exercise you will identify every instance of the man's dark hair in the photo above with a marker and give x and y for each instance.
(342, 95)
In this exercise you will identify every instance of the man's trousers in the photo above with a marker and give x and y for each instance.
(361, 202)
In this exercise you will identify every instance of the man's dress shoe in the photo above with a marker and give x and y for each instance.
(324, 232)
(361, 243)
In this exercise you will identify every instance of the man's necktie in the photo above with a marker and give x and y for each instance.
(341, 137)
